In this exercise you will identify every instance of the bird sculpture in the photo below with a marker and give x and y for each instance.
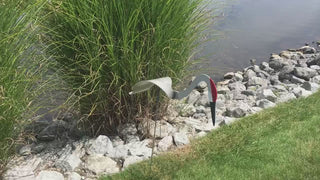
(165, 84)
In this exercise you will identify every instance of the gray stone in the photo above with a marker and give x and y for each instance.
(203, 100)
(202, 85)
(316, 79)
(116, 140)
(238, 77)
(279, 88)
(264, 103)
(49, 175)
(200, 109)
(188, 111)
(163, 128)
(120, 152)
(131, 160)
(22, 169)
(248, 93)
(140, 148)
(304, 73)
(257, 81)
(310, 86)
(180, 139)
(165, 143)
(25, 150)
(285, 96)
(302, 63)
(223, 89)
(193, 97)
(249, 74)
(296, 80)
(100, 164)
(229, 75)
(276, 62)
(301, 92)
(131, 138)
(238, 86)
(307, 50)
(285, 54)
(101, 145)
(74, 176)
(315, 67)
(237, 95)
(68, 162)
(236, 112)
(127, 129)
(267, 94)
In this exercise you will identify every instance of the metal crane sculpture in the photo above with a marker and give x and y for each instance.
(165, 84)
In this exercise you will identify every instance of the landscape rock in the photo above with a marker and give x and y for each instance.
(165, 143)
(131, 160)
(301, 92)
(193, 97)
(49, 175)
(296, 80)
(127, 129)
(74, 176)
(315, 79)
(238, 86)
(285, 96)
(307, 50)
(304, 73)
(101, 145)
(188, 111)
(229, 75)
(100, 164)
(264, 103)
(267, 94)
(24, 169)
(141, 149)
(25, 150)
(163, 128)
(249, 74)
(310, 86)
(223, 89)
(180, 139)
(257, 81)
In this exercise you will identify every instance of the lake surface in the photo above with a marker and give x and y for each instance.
(256, 28)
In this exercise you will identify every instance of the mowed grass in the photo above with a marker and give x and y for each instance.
(278, 143)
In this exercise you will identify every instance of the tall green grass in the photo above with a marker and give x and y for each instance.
(20, 68)
(103, 47)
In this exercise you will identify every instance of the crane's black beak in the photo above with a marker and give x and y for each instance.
(213, 112)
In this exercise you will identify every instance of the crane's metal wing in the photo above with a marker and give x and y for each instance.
(165, 84)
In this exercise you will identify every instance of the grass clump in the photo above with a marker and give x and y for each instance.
(278, 143)
(102, 48)
(19, 71)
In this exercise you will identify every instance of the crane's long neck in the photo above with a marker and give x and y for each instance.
(212, 92)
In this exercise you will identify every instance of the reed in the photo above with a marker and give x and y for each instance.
(103, 47)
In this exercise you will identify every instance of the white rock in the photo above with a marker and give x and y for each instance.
(140, 148)
(49, 175)
(100, 164)
(238, 86)
(304, 73)
(316, 79)
(285, 96)
(257, 81)
(223, 89)
(188, 110)
(229, 75)
(201, 134)
(307, 50)
(127, 129)
(131, 160)
(68, 162)
(74, 176)
(22, 169)
(180, 139)
(297, 80)
(310, 86)
(193, 96)
(165, 143)
(120, 152)
(203, 100)
(238, 77)
(267, 94)
(249, 74)
(301, 92)
(163, 128)
(264, 103)
(101, 145)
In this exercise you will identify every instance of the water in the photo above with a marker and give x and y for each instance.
(257, 28)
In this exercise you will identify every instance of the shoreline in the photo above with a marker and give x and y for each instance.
(289, 75)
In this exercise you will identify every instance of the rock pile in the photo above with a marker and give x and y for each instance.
(288, 75)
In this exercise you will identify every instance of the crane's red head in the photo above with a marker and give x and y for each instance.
(214, 92)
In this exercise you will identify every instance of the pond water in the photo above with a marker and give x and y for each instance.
(256, 28)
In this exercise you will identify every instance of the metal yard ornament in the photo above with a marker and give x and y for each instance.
(165, 84)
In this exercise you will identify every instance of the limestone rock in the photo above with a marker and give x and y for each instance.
(297, 80)
(264, 103)
(316, 79)
(223, 89)
(100, 164)
(238, 86)
(49, 175)
(141, 149)
(101, 145)
(131, 160)
(165, 143)
(267, 94)
(307, 50)
(310, 86)
(193, 96)
(23, 169)
(163, 128)
(74, 176)
(229, 75)
(301, 92)
(257, 81)
(285, 96)
(249, 74)
(180, 139)
(304, 73)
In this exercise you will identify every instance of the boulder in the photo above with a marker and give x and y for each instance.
(193, 97)
(276, 62)
(229, 75)
(23, 169)
(100, 164)
(285, 96)
(267, 94)
(304, 73)
(203, 100)
(315, 79)
(163, 128)
(74, 176)
(310, 86)
(307, 50)
(264, 103)
(258, 81)
(296, 80)
(165, 143)
(223, 90)
(249, 74)
(188, 111)
(180, 139)
(248, 93)
(101, 145)
(300, 92)
(141, 149)
(238, 86)
(132, 160)
(49, 175)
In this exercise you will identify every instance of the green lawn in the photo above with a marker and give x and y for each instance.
(278, 143)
